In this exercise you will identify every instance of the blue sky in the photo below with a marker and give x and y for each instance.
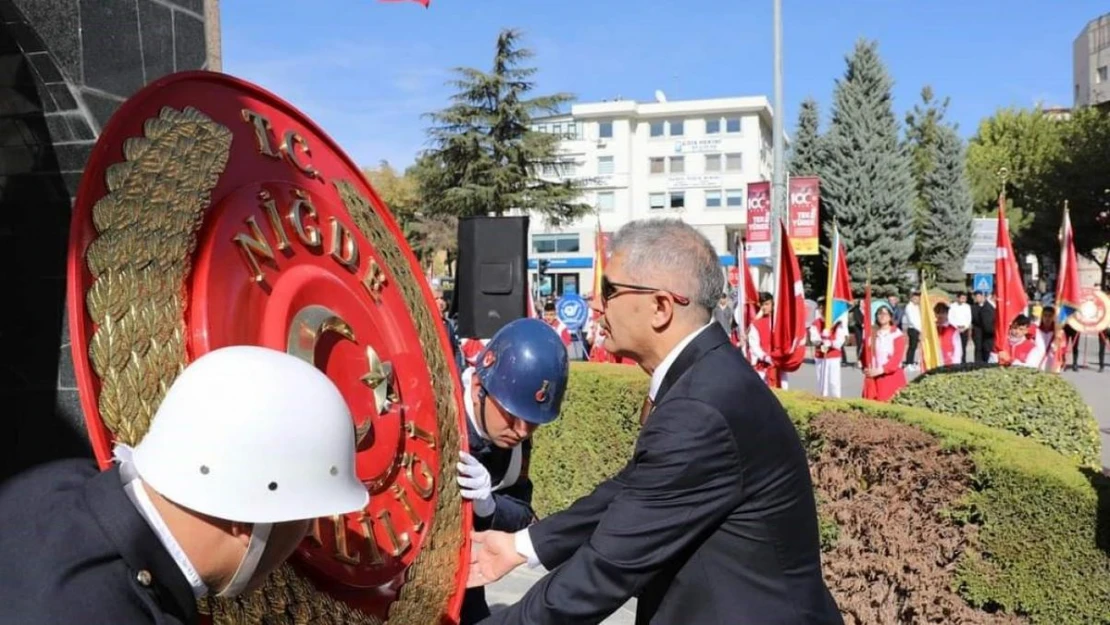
(367, 70)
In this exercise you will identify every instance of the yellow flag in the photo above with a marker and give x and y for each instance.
(930, 338)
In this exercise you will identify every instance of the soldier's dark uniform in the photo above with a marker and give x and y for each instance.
(524, 368)
(74, 549)
(513, 510)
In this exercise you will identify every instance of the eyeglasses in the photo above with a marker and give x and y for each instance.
(609, 291)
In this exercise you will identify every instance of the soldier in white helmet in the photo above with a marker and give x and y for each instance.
(247, 447)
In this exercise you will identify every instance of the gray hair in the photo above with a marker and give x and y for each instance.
(671, 254)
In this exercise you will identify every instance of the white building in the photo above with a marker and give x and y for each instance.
(692, 159)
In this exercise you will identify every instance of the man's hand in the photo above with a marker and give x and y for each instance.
(492, 556)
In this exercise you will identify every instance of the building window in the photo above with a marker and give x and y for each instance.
(1101, 74)
(655, 165)
(548, 169)
(677, 128)
(572, 130)
(556, 129)
(657, 129)
(605, 130)
(712, 163)
(604, 165)
(734, 198)
(555, 243)
(541, 128)
(568, 168)
(712, 126)
(678, 165)
(732, 124)
(712, 199)
(678, 199)
(606, 201)
(733, 162)
(657, 201)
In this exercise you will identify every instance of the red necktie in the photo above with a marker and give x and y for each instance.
(646, 409)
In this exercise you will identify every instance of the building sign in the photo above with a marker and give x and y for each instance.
(697, 146)
(804, 226)
(984, 243)
(694, 181)
(758, 244)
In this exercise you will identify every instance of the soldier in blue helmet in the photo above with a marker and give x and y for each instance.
(516, 386)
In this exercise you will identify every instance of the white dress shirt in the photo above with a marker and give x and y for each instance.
(522, 540)
(959, 315)
(912, 317)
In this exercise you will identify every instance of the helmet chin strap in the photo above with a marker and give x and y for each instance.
(260, 533)
(482, 395)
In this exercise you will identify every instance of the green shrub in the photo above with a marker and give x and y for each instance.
(1041, 543)
(1040, 406)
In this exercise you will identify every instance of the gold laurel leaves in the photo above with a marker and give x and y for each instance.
(146, 229)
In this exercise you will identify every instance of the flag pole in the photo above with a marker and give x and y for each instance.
(778, 173)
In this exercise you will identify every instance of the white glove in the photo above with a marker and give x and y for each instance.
(475, 483)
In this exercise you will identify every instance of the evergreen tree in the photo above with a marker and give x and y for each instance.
(923, 124)
(486, 158)
(867, 183)
(944, 234)
(805, 160)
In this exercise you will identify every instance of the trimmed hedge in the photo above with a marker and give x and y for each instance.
(1040, 406)
(1042, 546)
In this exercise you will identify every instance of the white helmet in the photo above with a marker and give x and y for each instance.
(253, 435)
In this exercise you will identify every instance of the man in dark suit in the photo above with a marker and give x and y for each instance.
(982, 326)
(191, 511)
(713, 519)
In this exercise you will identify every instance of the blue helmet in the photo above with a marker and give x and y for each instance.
(525, 368)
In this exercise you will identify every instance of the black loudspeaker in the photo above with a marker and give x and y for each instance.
(491, 285)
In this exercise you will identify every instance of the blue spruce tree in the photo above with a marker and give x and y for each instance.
(867, 185)
(944, 234)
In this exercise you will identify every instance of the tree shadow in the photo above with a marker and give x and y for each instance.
(1101, 484)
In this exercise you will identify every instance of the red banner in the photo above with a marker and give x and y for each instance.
(758, 248)
(804, 226)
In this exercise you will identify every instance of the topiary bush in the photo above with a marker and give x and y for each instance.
(1029, 528)
(1030, 403)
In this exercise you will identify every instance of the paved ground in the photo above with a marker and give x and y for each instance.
(1092, 385)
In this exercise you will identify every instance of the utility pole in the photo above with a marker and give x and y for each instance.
(778, 170)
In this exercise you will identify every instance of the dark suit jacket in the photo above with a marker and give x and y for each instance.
(71, 548)
(712, 522)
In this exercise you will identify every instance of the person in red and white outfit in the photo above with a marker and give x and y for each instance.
(759, 341)
(951, 345)
(1051, 340)
(552, 320)
(1023, 350)
(884, 357)
(828, 344)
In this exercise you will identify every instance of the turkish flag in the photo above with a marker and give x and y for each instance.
(788, 333)
(1010, 298)
(425, 3)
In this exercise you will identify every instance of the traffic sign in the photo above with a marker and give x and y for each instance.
(572, 311)
(983, 283)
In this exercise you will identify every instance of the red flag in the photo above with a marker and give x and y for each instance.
(1067, 282)
(866, 356)
(747, 296)
(424, 3)
(788, 331)
(1010, 299)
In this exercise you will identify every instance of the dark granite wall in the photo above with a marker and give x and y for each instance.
(65, 66)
